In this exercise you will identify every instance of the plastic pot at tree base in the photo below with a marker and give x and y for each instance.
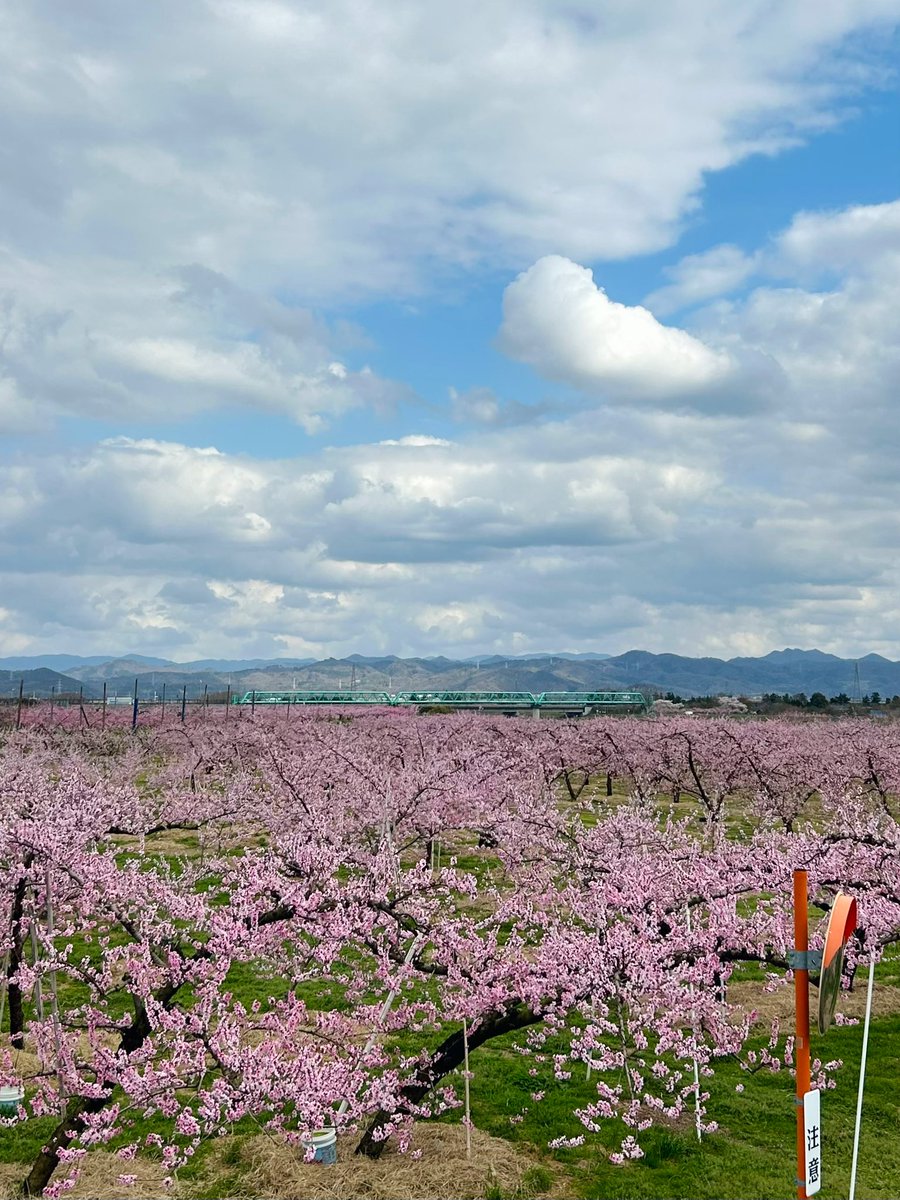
(324, 1142)
(10, 1099)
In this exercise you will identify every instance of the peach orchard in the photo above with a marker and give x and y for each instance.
(201, 921)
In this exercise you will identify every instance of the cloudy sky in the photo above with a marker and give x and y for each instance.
(337, 325)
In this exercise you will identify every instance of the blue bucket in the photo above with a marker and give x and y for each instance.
(10, 1099)
(324, 1142)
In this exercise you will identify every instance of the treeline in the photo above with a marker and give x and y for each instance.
(818, 700)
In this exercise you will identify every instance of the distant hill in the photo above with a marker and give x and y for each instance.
(40, 684)
(63, 662)
(241, 664)
(782, 671)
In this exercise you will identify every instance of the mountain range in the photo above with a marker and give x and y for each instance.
(783, 671)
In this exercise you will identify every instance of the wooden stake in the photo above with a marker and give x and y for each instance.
(35, 955)
(862, 1075)
(385, 1009)
(54, 996)
(468, 1101)
(687, 913)
(4, 984)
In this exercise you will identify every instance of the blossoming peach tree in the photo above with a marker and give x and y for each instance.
(202, 921)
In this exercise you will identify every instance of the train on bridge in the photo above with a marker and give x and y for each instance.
(632, 701)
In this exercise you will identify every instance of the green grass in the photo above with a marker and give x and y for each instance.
(535, 1182)
(21, 1142)
(752, 1154)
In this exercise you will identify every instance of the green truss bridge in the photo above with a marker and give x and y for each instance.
(477, 701)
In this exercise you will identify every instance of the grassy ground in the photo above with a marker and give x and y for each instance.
(752, 1154)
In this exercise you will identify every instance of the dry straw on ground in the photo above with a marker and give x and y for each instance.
(26, 1063)
(264, 1168)
(271, 1170)
(780, 1003)
(99, 1179)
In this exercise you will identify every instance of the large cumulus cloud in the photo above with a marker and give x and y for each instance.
(556, 319)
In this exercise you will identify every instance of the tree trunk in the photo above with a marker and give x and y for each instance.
(78, 1107)
(448, 1056)
(574, 792)
(609, 783)
(15, 1005)
(69, 1127)
(17, 950)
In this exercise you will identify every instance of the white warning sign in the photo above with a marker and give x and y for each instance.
(812, 1130)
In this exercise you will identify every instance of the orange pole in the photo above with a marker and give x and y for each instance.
(801, 1000)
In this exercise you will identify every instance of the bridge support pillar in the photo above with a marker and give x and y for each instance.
(536, 712)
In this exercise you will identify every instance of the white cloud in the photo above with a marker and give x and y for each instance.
(556, 319)
(285, 144)
(699, 277)
(671, 528)
(532, 537)
(862, 238)
(836, 343)
(816, 245)
(611, 526)
(328, 548)
(149, 346)
(415, 439)
(16, 414)
(822, 358)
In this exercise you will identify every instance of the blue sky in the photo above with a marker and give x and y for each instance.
(334, 328)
